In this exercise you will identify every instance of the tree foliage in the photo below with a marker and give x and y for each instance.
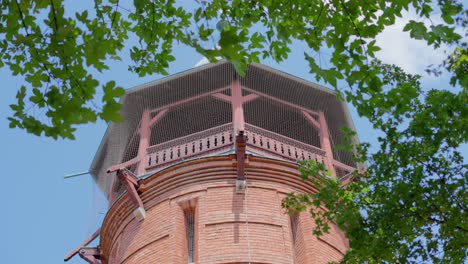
(409, 205)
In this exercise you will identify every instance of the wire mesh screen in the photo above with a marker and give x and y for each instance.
(186, 96)
(279, 86)
(286, 121)
(196, 101)
(193, 117)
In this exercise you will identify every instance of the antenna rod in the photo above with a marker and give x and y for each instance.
(75, 175)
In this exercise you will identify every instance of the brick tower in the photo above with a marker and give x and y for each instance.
(197, 171)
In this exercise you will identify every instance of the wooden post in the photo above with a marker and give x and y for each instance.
(325, 143)
(237, 111)
(145, 134)
(131, 185)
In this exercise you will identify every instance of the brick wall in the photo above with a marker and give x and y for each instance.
(229, 227)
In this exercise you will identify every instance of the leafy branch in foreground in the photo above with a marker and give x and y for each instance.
(61, 52)
(410, 205)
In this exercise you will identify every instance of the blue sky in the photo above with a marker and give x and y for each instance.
(45, 216)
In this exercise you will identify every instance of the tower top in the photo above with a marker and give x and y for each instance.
(200, 112)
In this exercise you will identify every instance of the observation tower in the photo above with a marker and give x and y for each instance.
(197, 171)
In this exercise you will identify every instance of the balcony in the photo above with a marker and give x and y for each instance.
(198, 113)
(219, 141)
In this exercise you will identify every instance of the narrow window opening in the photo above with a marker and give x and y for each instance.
(294, 222)
(296, 243)
(189, 215)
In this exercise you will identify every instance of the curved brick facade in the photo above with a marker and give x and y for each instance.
(229, 227)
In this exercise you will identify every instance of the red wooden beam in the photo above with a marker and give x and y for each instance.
(84, 244)
(130, 183)
(237, 111)
(325, 143)
(343, 166)
(158, 117)
(249, 97)
(238, 123)
(184, 101)
(122, 165)
(146, 123)
(280, 101)
(145, 135)
(311, 120)
(222, 97)
(227, 98)
(91, 255)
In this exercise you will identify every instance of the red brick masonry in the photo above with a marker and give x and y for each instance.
(229, 227)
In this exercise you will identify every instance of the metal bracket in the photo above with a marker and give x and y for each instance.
(91, 255)
(241, 185)
(129, 181)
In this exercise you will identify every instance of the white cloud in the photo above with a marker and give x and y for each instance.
(398, 48)
(203, 61)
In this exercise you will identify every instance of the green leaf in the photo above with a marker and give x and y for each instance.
(417, 29)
